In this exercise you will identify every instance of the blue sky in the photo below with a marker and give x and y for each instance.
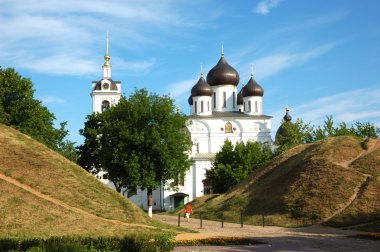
(321, 56)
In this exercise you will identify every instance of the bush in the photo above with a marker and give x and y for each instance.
(364, 144)
(147, 243)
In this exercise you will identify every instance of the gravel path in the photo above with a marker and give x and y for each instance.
(314, 238)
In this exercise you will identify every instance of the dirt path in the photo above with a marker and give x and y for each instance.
(313, 238)
(62, 204)
(373, 145)
(361, 187)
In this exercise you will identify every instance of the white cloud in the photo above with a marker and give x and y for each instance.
(265, 6)
(62, 37)
(61, 64)
(273, 64)
(351, 106)
(181, 89)
(133, 67)
(52, 99)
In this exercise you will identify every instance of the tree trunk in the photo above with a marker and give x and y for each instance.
(118, 187)
(150, 202)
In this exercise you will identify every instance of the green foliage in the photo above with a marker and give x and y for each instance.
(138, 142)
(19, 109)
(359, 129)
(145, 243)
(234, 163)
(300, 132)
(294, 134)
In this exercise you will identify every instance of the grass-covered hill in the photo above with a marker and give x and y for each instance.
(42, 194)
(334, 181)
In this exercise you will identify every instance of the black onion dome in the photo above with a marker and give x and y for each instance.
(202, 88)
(287, 117)
(240, 100)
(282, 132)
(253, 89)
(190, 100)
(222, 73)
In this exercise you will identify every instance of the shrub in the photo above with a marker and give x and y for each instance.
(147, 243)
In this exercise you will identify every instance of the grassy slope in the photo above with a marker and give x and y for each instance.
(366, 208)
(24, 214)
(305, 184)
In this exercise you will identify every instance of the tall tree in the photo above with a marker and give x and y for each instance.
(19, 109)
(139, 142)
(232, 163)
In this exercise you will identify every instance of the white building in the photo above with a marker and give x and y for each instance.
(217, 112)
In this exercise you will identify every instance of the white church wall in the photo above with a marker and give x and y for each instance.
(99, 97)
(202, 105)
(219, 91)
(255, 107)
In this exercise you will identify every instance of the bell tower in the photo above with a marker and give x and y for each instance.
(105, 92)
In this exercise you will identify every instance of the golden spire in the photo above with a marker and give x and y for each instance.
(106, 56)
(252, 70)
(222, 50)
(287, 108)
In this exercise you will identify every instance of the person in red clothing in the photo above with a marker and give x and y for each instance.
(188, 210)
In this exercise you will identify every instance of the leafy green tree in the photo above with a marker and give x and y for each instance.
(365, 130)
(138, 142)
(19, 109)
(294, 134)
(233, 164)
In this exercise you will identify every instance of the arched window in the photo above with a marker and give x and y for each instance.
(233, 99)
(214, 100)
(224, 99)
(105, 105)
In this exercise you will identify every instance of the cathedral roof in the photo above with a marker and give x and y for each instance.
(113, 86)
(222, 74)
(252, 88)
(201, 88)
(230, 114)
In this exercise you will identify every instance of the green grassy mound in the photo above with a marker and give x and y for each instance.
(308, 184)
(42, 194)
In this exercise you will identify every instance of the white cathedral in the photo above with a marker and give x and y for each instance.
(217, 112)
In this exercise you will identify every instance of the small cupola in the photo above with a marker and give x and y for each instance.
(281, 131)
(201, 88)
(252, 88)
